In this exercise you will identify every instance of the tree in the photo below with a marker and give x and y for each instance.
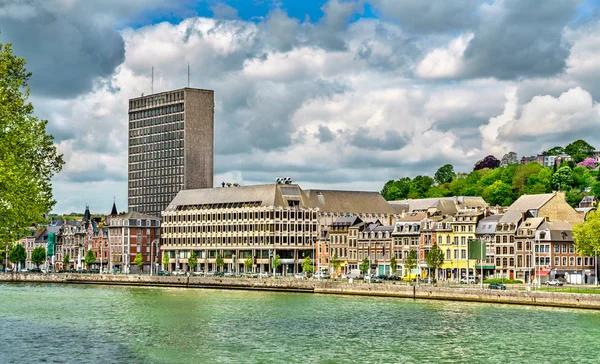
(435, 259)
(38, 256)
(579, 150)
(410, 262)
(490, 162)
(588, 163)
(67, 261)
(307, 265)
(28, 156)
(444, 174)
(4, 249)
(393, 265)
(220, 262)
(562, 180)
(335, 263)
(193, 261)
(90, 258)
(420, 185)
(499, 193)
(396, 189)
(139, 262)
(508, 159)
(364, 265)
(248, 263)
(165, 260)
(17, 255)
(276, 262)
(585, 235)
(554, 151)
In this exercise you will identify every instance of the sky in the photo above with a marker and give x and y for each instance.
(334, 94)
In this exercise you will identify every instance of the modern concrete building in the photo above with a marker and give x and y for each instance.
(171, 147)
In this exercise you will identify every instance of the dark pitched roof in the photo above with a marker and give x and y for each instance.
(114, 209)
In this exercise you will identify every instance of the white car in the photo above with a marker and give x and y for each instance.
(554, 282)
(300, 275)
(178, 273)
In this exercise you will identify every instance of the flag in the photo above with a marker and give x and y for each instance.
(476, 249)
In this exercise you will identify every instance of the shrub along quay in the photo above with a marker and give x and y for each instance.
(474, 294)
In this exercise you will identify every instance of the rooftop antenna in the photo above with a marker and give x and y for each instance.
(152, 84)
(188, 74)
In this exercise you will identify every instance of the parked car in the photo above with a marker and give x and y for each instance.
(228, 274)
(219, 274)
(429, 280)
(35, 270)
(179, 273)
(471, 280)
(410, 278)
(198, 273)
(24, 270)
(300, 275)
(264, 275)
(373, 279)
(554, 282)
(497, 286)
(163, 273)
(393, 277)
(321, 275)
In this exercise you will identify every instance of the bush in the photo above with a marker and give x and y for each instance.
(504, 281)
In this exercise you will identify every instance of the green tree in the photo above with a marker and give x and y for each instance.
(579, 150)
(396, 189)
(17, 255)
(585, 235)
(38, 256)
(138, 261)
(499, 193)
(364, 265)
(90, 258)
(410, 262)
(67, 261)
(562, 180)
(248, 263)
(28, 156)
(307, 265)
(435, 259)
(165, 260)
(554, 151)
(276, 262)
(4, 250)
(444, 174)
(393, 265)
(420, 185)
(193, 261)
(335, 263)
(220, 262)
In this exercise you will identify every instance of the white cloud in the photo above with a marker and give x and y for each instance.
(445, 62)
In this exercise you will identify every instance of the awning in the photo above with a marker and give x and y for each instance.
(485, 267)
(542, 272)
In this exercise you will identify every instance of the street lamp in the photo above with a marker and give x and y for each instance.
(153, 254)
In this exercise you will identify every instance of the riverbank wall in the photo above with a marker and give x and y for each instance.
(387, 289)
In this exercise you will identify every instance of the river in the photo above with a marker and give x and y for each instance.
(108, 324)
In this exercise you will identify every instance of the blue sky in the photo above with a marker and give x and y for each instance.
(363, 92)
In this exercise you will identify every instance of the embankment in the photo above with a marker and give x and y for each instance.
(556, 299)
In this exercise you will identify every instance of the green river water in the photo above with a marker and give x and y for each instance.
(105, 324)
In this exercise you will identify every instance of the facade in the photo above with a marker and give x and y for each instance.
(588, 201)
(171, 146)
(524, 245)
(263, 221)
(130, 234)
(30, 242)
(464, 226)
(342, 244)
(486, 232)
(556, 256)
(406, 237)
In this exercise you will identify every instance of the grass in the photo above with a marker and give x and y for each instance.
(587, 290)
(502, 281)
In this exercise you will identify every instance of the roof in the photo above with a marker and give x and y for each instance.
(137, 215)
(346, 221)
(349, 201)
(412, 217)
(487, 225)
(588, 198)
(254, 195)
(530, 202)
(446, 205)
(559, 230)
(531, 223)
(511, 217)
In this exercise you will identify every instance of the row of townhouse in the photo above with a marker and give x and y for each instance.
(114, 242)
(532, 237)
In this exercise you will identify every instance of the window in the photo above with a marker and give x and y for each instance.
(463, 254)
(571, 248)
(557, 249)
(564, 261)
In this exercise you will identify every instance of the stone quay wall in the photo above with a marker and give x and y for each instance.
(388, 289)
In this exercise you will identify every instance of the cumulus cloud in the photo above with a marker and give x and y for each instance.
(338, 102)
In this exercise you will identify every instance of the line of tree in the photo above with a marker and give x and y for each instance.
(501, 182)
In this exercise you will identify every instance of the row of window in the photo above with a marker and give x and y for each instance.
(239, 240)
(157, 111)
(155, 138)
(159, 181)
(201, 216)
(155, 130)
(155, 163)
(233, 228)
(169, 190)
(146, 199)
(156, 172)
(155, 100)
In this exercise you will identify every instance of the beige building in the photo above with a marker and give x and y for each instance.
(260, 222)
